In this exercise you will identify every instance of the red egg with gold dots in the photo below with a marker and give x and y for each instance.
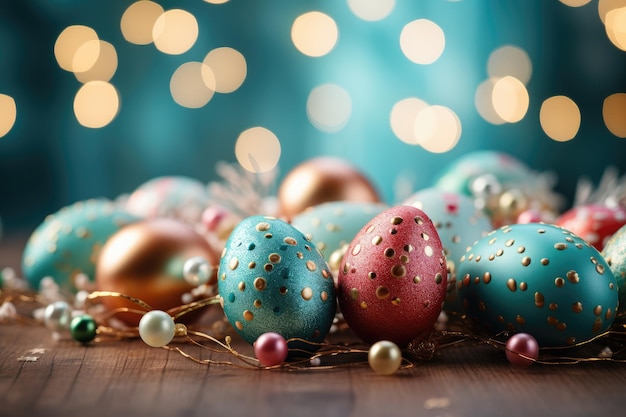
(393, 276)
(594, 222)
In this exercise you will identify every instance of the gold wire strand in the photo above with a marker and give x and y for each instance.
(421, 352)
(180, 311)
(99, 294)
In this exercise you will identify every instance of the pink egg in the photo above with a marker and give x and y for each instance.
(392, 279)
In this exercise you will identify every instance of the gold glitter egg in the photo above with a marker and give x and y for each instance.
(145, 260)
(321, 180)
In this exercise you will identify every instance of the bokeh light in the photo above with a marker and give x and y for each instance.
(104, 66)
(257, 149)
(422, 41)
(216, 1)
(69, 42)
(574, 3)
(96, 104)
(510, 99)
(371, 10)
(437, 129)
(192, 85)
(138, 21)
(8, 114)
(483, 100)
(86, 56)
(175, 31)
(402, 118)
(229, 68)
(605, 6)
(329, 107)
(510, 60)
(615, 26)
(314, 34)
(614, 114)
(559, 117)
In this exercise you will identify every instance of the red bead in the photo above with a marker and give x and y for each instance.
(270, 349)
(522, 344)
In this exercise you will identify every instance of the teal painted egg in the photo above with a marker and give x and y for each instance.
(273, 279)
(459, 224)
(614, 253)
(334, 224)
(502, 169)
(68, 242)
(539, 279)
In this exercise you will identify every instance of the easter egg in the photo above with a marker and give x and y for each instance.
(538, 279)
(392, 280)
(320, 180)
(273, 279)
(482, 172)
(68, 242)
(146, 260)
(459, 224)
(174, 196)
(614, 253)
(593, 222)
(334, 224)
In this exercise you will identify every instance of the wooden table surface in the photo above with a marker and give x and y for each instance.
(40, 376)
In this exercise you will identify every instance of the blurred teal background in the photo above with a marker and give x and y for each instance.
(48, 160)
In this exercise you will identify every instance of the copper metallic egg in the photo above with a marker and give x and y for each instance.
(321, 180)
(145, 260)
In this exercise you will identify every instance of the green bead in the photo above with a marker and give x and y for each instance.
(83, 328)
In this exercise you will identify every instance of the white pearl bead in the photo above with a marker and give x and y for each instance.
(156, 328)
(196, 270)
(385, 357)
(57, 316)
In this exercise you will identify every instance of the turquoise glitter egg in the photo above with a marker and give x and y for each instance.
(614, 253)
(68, 242)
(459, 224)
(334, 224)
(539, 279)
(272, 278)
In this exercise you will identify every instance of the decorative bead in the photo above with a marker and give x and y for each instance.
(384, 357)
(197, 270)
(522, 344)
(270, 349)
(156, 328)
(57, 316)
(83, 328)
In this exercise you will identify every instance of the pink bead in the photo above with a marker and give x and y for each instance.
(522, 344)
(212, 216)
(270, 349)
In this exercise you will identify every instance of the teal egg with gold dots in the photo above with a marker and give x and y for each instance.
(539, 279)
(272, 278)
(614, 253)
(333, 224)
(67, 243)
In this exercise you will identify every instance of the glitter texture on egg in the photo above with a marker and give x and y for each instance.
(392, 280)
(273, 279)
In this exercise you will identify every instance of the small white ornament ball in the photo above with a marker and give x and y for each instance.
(197, 271)
(57, 316)
(384, 357)
(157, 328)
